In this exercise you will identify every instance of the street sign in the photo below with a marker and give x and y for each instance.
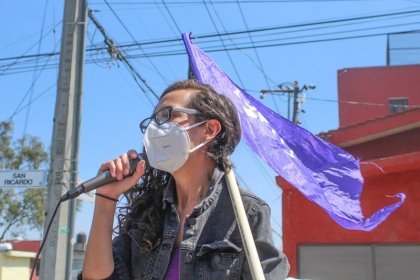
(23, 179)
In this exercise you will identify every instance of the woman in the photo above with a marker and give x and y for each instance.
(180, 223)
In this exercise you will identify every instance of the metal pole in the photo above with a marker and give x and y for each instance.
(56, 262)
(288, 106)
(243, 224)
(295, 102)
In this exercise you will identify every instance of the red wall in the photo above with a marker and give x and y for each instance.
(306, 223)
(402, 143)
(375, 85)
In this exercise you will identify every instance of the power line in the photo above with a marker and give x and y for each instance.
(244, 47)
(24, 69)
(346, 101)
(115, 51)
(172, 17)
(218, 35)
(223, 43)
(19, 109)
(231, 2)
(34, 76)
(256, 30)
(165, 18)
(338, 25)
(134, 39)
(216, 48)
(337, 32)
(262, 169)
(252, 42)
(7, 45)
(361, 103)
(260, 65)
(404, 49)
(298, 25)
(17, 58)
(145, 29)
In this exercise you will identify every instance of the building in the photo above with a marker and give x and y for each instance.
(79, 249)
(380, 125)
(17, 258)
(369, 93)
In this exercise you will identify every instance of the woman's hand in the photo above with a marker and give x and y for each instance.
(100, 237)
(120, 167)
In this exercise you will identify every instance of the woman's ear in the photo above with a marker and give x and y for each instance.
(213, 127)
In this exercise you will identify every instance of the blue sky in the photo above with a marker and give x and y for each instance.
(113, 104)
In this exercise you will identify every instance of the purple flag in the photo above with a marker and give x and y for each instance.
(321, 171)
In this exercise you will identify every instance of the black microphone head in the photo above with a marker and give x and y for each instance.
(143, 156)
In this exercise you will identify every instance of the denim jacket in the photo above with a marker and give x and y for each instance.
(211, 247)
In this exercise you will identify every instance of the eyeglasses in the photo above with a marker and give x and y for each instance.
(164, 115)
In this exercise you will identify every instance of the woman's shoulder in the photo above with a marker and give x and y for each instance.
(251, 201)
(248, 195)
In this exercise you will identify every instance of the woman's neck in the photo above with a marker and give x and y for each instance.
(192, 184)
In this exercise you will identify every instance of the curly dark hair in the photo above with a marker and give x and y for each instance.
(144, 211)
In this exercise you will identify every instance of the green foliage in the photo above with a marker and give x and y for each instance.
(21, 207)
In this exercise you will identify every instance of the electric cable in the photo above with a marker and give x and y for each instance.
(332, 33)
(44, 239)
(231, 2)
(256, 30)
(17, 58)
(165, 18)
(343, 101)
(19, 109)
(119, 55)
(252, 43)
(34, 75)
(219, 49)
(170, 53)
(223, 43)
(134, 39)
(361, 103)
(171, 16)
(260, 65)
(145, 29)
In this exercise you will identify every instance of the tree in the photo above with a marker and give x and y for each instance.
(21, 207)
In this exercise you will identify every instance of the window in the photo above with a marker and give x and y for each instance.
(359, 261)
(397, 105)
(404, 48)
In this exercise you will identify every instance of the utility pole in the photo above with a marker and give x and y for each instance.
(295, 102)
(289, 90)
(56, 260)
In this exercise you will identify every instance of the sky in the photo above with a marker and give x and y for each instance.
(304, 41)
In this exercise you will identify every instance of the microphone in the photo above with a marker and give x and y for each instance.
(100, 180)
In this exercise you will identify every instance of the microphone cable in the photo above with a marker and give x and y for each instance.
(92, 184)
(45, 238)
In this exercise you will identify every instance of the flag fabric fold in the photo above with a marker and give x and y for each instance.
(321, 171)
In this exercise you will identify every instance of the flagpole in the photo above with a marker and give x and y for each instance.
(246, 234)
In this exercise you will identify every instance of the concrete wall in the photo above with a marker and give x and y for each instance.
(375, 85)
(402, 143)
(15, 265)
(306, 223)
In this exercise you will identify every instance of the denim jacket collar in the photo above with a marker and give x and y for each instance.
(215, 187)
(169, 193)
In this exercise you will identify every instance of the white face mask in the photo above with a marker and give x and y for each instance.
(168, 145)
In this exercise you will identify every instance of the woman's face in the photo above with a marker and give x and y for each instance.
(177, 98)
(181, 98)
